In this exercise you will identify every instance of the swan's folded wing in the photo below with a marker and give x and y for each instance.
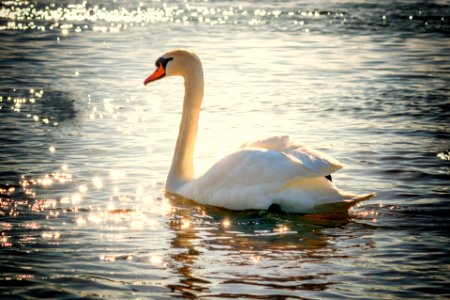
(253, 166)
(276, 143)
(316, 161)
(251, 174)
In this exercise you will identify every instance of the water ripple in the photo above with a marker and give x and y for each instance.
(85, 148)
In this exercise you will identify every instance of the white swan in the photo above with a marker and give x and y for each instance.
(273, 172)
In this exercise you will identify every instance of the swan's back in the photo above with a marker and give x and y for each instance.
(256, 178)
(318, 162)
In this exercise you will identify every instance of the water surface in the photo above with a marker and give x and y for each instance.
(85, 148)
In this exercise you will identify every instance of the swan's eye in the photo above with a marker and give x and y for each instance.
(162, 61)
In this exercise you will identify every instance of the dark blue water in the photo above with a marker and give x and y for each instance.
(85, 148)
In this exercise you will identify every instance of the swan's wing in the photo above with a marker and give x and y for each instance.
(250, 174)
(276, 143)
(256, 178)
(316, 161)
(253, 166)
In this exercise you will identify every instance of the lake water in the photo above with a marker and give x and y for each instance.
(85, 148)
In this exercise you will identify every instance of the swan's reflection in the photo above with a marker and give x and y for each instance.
(232, 254)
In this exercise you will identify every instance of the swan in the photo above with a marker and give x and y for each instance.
(269, 173)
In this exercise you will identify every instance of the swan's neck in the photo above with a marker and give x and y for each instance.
(182, 169)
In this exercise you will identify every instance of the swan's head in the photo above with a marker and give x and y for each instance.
(174, 63)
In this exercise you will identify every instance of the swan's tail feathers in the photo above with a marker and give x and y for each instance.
(360, 198)
(355, 199)
(345, 205)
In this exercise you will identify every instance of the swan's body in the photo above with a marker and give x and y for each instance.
(260, 174)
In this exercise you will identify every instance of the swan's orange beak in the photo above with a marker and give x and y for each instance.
(158, 74)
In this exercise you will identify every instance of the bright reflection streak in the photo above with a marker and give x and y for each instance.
(67, 18)
(65, 200)
(83, 188)
(255, 259)
(93, 218)
(51, 235)
(116, 192)
(137, 224)
(81, 221)
(185, 224)
(111, 207)
(4, 241)
(120, 219)
(76, 198)
(157, 261)
(46, 181)
(282, 229)
(226, 223)
(166, 208)
(109, 258)
(117, 174)
(97, 182)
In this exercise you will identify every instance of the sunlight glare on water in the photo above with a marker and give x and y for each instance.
(85, 148)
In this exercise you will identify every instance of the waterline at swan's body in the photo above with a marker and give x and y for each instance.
(260, 174)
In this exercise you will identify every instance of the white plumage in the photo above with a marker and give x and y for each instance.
(262, 173)
(266, 172)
